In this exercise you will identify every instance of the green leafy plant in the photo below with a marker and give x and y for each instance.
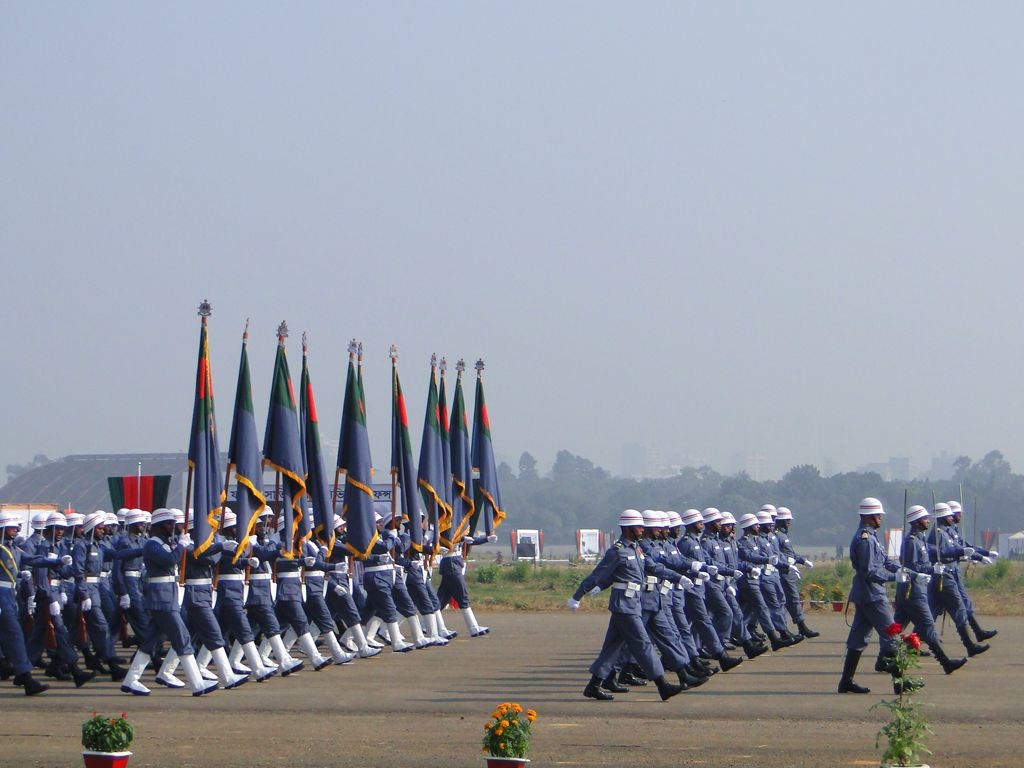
(107, 734)
(836, 593)
(507, 734)
(487, 574)
(908, 725)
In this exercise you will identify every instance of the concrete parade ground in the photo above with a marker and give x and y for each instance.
(428, 708)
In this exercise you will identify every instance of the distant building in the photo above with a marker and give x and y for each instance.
(756, 466)
(899, 468)
(942, 466)
(879, 467)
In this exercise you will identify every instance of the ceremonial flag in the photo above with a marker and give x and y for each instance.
(358, 508)
(401, 460)
(146, 492)
(487, 495)
(244, 456)
(431, 471)
(446, 457)
(316, 480)
(203, 454)
(350, 382)
(462, 467)
(282, 451)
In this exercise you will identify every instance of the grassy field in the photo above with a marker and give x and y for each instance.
(997, 590)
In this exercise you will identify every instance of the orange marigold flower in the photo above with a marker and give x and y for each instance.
(501, 745)
(516, 708)
(504, 723)
(531, 713)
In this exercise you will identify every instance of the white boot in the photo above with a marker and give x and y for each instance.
(227, 675)
(131, 683)
(309, 648)
(365, 649)
(417, 633)
(442, 629)
(347, 641)
(235, 657)
(288, 638)
(400, 646)
(200, 687)
(165, 676)
(252, 655)
(265, 655)
(475, 630)
(432, 634)
(371, 632)
(288, 664)
(338, 654)
(203, 659)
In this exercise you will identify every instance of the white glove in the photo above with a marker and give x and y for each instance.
(229, 545)
(993, 554)
(25, 575)
(808, 563)
(185, 540)
(922, 579)
(341, 567)
(572, 604)
(703, 576)
(731, 590)
(63, 599)
(340, 590)
(468, 541)
(939, 569)
(968, 551)
(491, 539)
(310, 561)
(773, 559)
(87, 605)
(253, 541)
(685, 583)
(695, 566)
(254, 562)
(443, 550)
(55, 608)
(595, 591)
(794, 570)
(791, 560)
(712, 570)
(755, 572)
(66, 560)
(125, 601)
(737, 573)
(987, 560)
(902, 576)
(51, 557)
(323, 551)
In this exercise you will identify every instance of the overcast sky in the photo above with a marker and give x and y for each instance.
(711, 229)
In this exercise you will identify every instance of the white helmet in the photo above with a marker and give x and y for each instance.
(871, 506)
(630, 517)
(916, 512)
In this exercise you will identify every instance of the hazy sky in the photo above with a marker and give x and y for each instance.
(712, 229)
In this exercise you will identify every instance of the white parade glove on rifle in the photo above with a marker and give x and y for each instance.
(55, 608)
(902, 576)
(87, 605)
(808, 563)
(922, 579)
(572, 604)
(125, 601)
(987, 560)
(731, 590)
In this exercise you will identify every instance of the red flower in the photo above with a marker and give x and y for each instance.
(913, 641)
(893, 629)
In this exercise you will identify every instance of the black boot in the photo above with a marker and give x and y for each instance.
(886, 664)
(805, 630)
(794, 639)
(80, 676)
(729, 662)
(846, 684)
(610, 684)
(637, 671)
(628, 678)
(117, 672)
(901, 685)
(753, 650)
(92, 661)
(56, 670)
(689, 680)
(701, 667)
(949, 666)
(778, 642)
(593, 690)
(666, 689)
(30, 684)
(973, 648)
(981, 634)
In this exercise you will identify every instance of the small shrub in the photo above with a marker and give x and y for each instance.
(520, 572)
(488, 574)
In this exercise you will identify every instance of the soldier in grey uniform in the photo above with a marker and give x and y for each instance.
(789, 567)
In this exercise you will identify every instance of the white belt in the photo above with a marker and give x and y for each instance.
(233, 577)
(769, 569)
(373, 568)
(288, 575)
(198, 582)
(55, 582)
(161, 579)
(104, 574)
(259, 576)
(92, 579)
(625, 585)
(6, 585)
(135, 574)
(314, 573)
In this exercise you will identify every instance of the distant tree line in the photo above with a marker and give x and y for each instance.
(579, 494)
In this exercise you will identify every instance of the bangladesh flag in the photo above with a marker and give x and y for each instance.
(463, 505)
(203, 454)
(358, 509)
(244, 456)
(146, 492)
(401, 461)
(487, 495)
(316, 480)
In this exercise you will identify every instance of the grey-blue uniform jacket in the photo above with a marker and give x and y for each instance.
(622, 570)
(872, 568)
(162, 561)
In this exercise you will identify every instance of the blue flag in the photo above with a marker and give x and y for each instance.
(244, 456)
(203, 454)
(487, 495)
(316, 479)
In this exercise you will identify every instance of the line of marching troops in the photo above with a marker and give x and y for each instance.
(78, 582)
(687, 589)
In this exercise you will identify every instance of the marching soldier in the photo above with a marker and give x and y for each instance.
(12, 641)
(791, 574)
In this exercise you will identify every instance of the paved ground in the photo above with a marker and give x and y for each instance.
(428, 709)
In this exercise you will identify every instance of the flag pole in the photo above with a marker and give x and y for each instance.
(138, 485)
(393, 354)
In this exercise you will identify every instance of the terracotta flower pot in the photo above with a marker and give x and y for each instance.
(837, 606)
(506, 762)
(106, 759)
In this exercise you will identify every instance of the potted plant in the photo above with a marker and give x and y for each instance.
(908, 726)
(106, 741)
(816, 594)
(507, 736)
(838, 597)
